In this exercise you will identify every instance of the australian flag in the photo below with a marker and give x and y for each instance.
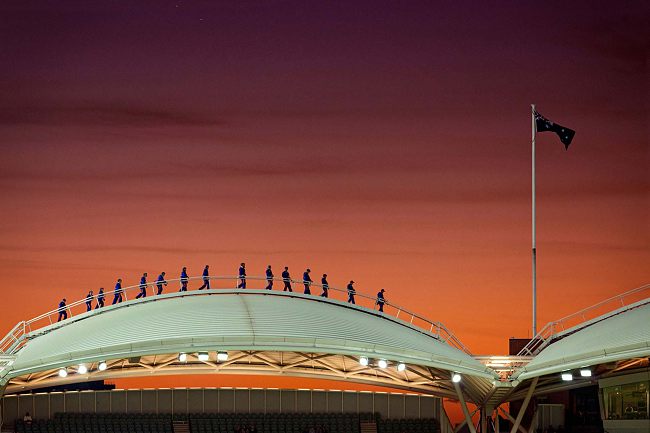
(543, 124)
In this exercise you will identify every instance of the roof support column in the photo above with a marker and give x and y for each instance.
(463, 405)
(484, 422)
(512, 420)
(524, 405)
(2, 391)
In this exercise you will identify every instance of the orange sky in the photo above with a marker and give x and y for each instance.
(386, 145)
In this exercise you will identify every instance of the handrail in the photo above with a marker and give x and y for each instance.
(16, 337)
(551, 329)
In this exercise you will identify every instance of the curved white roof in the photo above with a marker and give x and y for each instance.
(619, 335)
(235, 320)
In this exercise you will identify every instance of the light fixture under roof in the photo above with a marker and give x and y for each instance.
(382, 363)
(363, 360)
(222, 356)
(82, 369)
(63, 372)
(204, 356)
(567, 376)
(456, 377)
(585, 372)
(102, 366)
(182, 357)
(401, 366)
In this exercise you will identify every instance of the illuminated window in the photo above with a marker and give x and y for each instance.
(629, 401)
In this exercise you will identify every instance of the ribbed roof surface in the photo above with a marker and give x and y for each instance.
(621, 336)
(255, 320)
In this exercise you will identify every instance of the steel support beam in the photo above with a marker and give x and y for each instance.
(512, 420)
(2, 390)
(524, 406)
(463, 406)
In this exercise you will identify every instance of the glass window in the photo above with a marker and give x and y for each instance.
(629, 401)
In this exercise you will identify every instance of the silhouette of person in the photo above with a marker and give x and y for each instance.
(325, 285)
(306, 280)
(206, 279)
(118, 292)
(351, 293)
(286, 278)
(89, 300)
(381, 300)
(269, 278)
(100, 298)
(160, 281)
(63, 313)
(184, 279)
(242, 276)
(143, 287)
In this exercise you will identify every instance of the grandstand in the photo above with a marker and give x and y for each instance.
(595, 355)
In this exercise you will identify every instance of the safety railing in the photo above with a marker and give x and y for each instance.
(15, 339)
(582, 318)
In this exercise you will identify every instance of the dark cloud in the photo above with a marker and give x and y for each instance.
(103, 113)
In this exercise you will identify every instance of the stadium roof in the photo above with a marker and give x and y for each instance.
(621, 334)
(252, 325)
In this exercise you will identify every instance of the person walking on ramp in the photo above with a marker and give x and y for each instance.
(286, 278)
(206, 279)
(351, 293)
(306, 280)
(160, 281)
(118, 292)
(184, 279)
(269, 278)
(89, 300)
(143, 287)
(100, 298)
(242, 276)
(63, 310)
(325, 285)
(380, 300)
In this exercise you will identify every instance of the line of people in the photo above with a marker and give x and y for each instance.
(205, 276)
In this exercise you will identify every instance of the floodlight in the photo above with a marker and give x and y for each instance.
(363, 360)
(401, 366)
(456, 377)
(102, 366)
(182, 357)
(222, 356)
(585, 372)
(567, 376)
(82, 369)
(204, 356)
(382, 363)
(63, 372)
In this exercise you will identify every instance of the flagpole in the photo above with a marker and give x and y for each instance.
(534, 130)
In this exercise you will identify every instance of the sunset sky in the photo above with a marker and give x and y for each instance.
(385, 142)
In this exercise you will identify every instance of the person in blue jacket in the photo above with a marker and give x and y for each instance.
(381, 300)
(63, 310)
(89, 300)
(143, 287)
(160, 281)
(206, 279)
(325, 285)
(184, 279)
(242, 276)
(286, 278)
(269, 278)
(306, 280)
(351, 293)
(118, 292)
(100, 298)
